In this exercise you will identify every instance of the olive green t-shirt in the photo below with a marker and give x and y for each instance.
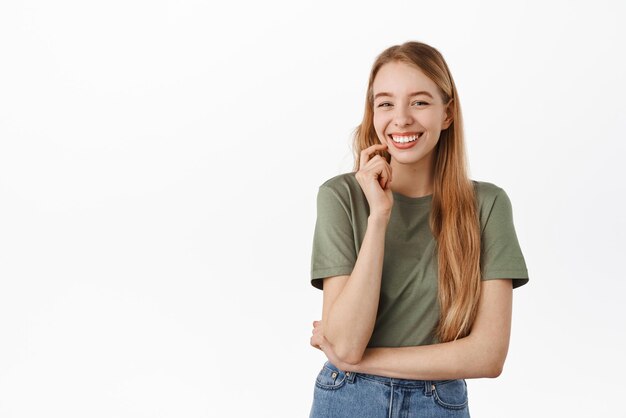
(408, 309)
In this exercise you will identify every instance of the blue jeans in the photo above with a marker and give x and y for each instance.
(341, 394)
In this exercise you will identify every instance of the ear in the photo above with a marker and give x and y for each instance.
(449, 115)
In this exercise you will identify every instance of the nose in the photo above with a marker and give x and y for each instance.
(403, 117)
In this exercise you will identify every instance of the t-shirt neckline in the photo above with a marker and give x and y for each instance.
(421, 200)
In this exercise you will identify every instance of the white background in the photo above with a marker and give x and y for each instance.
(159, 164)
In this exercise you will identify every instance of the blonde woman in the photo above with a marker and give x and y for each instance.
(416, 261)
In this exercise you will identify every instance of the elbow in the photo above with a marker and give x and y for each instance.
(494, 369)
(347, 351)
(490, 358)
(347, 354)
(494, 372)
(351, 357)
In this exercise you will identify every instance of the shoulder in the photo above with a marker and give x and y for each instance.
(341, 181)
(345, 186)
(486, 192)
(493, 202)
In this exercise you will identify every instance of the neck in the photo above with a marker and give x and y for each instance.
(413, 180)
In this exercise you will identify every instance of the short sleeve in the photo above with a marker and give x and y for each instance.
(501, 255)
(333, 251)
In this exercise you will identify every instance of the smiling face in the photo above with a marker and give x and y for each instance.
(414, 120)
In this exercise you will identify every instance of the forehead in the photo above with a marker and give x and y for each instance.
(399, 78)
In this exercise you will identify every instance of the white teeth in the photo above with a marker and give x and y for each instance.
(404, 139)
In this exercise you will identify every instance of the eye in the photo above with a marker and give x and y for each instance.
(384, 103)
(421, 102)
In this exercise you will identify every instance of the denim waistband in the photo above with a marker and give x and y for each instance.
(414, 383)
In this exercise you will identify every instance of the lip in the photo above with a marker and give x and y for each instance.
(405, 133)
(407, 145)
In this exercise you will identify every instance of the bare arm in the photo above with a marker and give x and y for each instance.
(480, 354)
(351, 317)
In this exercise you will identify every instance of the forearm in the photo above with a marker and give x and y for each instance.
(465, 358)
(352, 316)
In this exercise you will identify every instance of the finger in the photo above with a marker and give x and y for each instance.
(382, 172)
(316, 343)
(386, 174)
(388, 171)
(367, 153)
(376, 167)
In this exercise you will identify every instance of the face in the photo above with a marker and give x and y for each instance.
(400, 114)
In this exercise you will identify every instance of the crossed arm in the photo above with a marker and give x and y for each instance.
(480, 354)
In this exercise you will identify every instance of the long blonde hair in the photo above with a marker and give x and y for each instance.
(454, 215)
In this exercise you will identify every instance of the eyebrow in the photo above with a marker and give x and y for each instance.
(417, 93)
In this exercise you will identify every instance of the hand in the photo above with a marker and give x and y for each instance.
(374, 176)
(320, 342)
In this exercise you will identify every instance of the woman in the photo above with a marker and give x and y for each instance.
(417, 262)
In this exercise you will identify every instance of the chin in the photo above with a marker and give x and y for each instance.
(404, 158)
(408, 160)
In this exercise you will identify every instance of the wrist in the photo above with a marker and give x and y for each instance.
(378, 219)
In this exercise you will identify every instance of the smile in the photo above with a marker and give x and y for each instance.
(402, 139)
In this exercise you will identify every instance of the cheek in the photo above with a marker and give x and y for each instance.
(430, 121)
(380, 125)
